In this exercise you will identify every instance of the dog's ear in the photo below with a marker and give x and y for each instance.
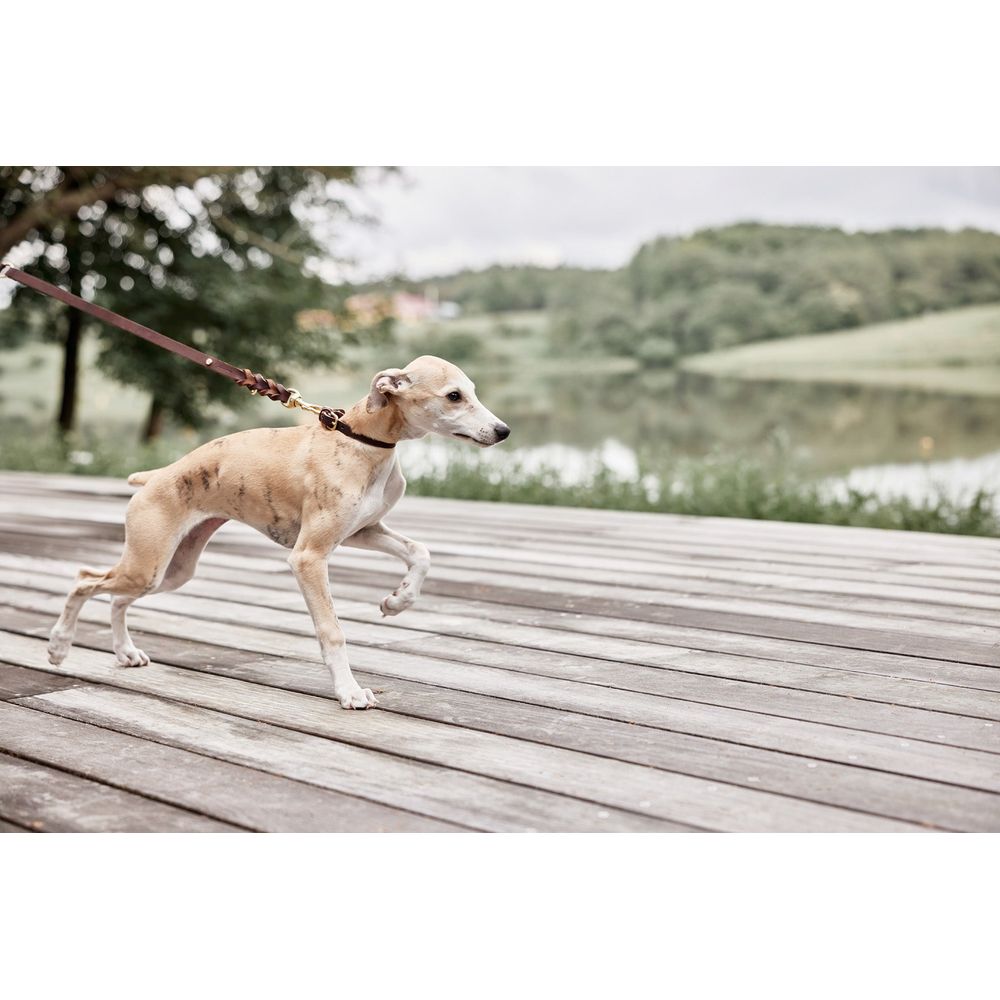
(391, 382)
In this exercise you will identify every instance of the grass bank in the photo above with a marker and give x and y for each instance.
(715, 487)
(956, 352)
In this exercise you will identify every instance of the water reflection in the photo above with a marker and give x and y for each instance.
(958, 478)
(825, 428)
(890, 440)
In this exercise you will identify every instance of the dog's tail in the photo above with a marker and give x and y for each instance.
(141, 478)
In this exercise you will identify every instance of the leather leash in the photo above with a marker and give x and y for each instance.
(257, 384)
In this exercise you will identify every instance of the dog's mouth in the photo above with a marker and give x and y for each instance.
(468, 437)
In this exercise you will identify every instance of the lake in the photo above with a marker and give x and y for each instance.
(592, 411)
(889, 441)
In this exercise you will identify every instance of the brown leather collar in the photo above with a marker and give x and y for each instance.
(256, 383)
(332, 420)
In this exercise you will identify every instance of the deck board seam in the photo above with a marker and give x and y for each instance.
(578, 711)
(25, 703)
(595, 684)
(424, 761)
(42, 762)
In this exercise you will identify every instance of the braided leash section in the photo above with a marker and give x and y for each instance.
(259, 385)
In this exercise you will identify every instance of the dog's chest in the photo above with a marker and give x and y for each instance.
(381, 495)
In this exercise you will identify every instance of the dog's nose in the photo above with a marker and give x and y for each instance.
(502, 432)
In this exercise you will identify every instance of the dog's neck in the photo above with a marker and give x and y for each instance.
(386, 424)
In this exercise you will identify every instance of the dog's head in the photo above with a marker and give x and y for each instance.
(434, 396)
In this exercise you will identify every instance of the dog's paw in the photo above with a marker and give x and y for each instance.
(58, 648)
(130, 656)
(57, 651)
(399, 600)
(359, 698)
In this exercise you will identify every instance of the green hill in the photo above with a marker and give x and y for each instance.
(956, 351)
(718, 288)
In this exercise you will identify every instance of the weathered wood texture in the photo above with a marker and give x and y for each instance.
(564, 670)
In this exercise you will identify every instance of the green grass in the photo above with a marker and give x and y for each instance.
(714, 487)
(29, 448)
(956, 351)
(30, 377)
(718, 487)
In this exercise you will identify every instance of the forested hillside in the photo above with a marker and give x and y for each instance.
(747, 282)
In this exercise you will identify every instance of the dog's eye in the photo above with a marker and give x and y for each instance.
(454, 396)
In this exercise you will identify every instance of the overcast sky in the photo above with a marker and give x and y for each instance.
(439, 219)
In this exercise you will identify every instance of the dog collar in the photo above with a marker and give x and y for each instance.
(331, 420)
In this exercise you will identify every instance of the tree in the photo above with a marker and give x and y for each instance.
(224, 257)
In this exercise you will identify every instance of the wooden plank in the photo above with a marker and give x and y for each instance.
(238, 795)
(110, 528)
(903, 756)
(600, 644)
(705, 687)
(16, 682)
(493, 609)
(255, 640)
(634, 653)
(977, 644)
(977, 609)
(12, 828)
(874, 682)
(659, 575)
(641, 602)
(719, 617)
(744, 666)
(808, 543)
(654, 528)
(799, 776)
(455, 796)
(268, 559)
(685, 639)
(649, 570)
(669, 644)
(42, 798)
(669, 797)
(873, 597)
(847, 708)
(808, 777)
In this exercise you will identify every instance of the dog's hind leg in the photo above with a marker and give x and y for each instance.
(415, 555)
(151, 536)
(181, 568)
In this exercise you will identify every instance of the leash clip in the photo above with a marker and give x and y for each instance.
(329, 418)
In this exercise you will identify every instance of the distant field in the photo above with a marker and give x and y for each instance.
(956, 352)
(30, 383)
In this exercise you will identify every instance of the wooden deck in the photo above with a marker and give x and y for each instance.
(564, 670)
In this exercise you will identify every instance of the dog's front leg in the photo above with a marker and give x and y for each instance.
(415, 555)
(311, 572)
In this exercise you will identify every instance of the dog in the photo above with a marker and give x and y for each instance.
(307, 488)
